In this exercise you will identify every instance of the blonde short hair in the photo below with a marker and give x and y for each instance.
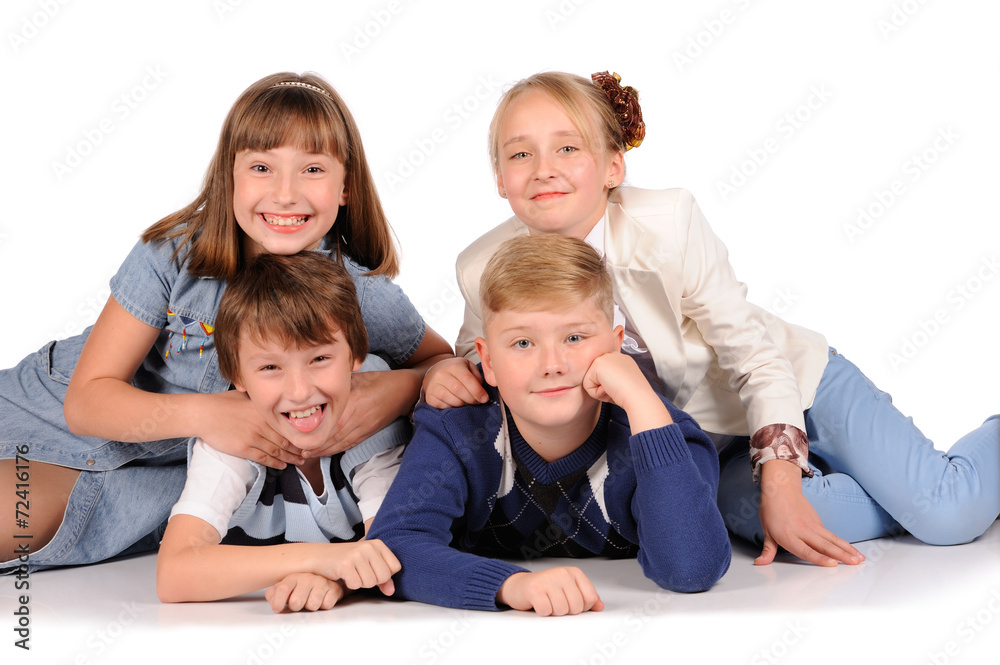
(544, 272)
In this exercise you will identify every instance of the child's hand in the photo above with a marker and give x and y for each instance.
(362, 564)
(552, 592)
(615, 377)
(789, 521)
(373, 403)
(229, 423)
(304, 591)
(453, 382)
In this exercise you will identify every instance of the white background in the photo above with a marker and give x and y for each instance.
(844, 94)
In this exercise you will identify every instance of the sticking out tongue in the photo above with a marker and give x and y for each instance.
(308, 422)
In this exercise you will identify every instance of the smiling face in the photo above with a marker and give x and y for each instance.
(553, 179)
(300, 392)
(537, 359)
(286, 199)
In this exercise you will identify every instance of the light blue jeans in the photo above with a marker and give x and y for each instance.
(876, 474)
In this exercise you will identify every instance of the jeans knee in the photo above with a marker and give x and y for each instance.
(950, 524)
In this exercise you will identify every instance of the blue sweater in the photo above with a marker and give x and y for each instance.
(470, 489)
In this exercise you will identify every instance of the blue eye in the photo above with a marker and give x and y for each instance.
(572, 339)
(522, 344)
(567, 148)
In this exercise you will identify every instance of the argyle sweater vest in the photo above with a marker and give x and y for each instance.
(552, 509)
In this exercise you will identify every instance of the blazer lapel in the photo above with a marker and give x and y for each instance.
(640, 275)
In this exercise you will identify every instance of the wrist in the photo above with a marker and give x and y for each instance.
(505, 591)
(645, 411)
(778, 474)
(411, 381)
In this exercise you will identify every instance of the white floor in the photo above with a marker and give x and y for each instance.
(909, 603)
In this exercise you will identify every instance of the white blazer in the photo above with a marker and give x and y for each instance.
(731, 365)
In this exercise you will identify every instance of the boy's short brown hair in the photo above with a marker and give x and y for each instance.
(300, 299)
(544, 272)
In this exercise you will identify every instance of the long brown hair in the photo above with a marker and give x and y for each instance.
(268, 116)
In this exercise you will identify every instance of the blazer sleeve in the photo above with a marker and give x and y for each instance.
(735, 329)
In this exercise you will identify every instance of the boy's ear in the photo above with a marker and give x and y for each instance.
(484, 356)
(619, 333)
(239, 385)
(357, 364)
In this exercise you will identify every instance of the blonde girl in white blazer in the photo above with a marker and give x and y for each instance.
(812, 454)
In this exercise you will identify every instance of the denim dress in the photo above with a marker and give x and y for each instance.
(121, 502)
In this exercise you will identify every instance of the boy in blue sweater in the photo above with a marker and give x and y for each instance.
(573, 455)
(289, 334)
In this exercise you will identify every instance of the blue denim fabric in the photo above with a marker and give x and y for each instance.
(151, 286)
(156, 289)
(876, 474)
(113, 513)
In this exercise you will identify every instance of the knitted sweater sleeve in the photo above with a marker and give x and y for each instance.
(430, 496)
(683, 542)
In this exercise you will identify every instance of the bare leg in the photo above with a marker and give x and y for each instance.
(48, 488)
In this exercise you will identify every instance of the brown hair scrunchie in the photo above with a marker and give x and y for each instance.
(625, 102)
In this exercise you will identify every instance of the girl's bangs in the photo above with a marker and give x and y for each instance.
(292, 118)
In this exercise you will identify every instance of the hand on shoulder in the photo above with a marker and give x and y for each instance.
(453, 382)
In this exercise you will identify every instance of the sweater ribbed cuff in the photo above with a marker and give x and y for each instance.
(481, 591)
(659, 447)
